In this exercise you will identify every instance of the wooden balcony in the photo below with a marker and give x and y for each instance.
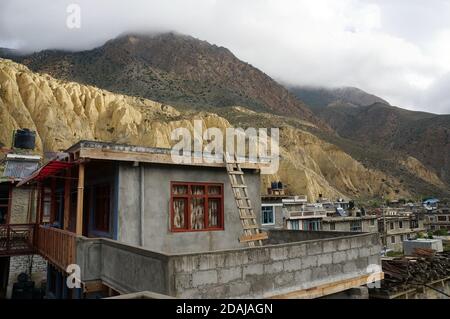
(57, 246)
(17, 239)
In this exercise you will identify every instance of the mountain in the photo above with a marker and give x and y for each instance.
(362, 117)
(195, 77)
(319, 98)
(63, 113)
(173, 69)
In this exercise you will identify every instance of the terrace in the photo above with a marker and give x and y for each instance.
(292, 264)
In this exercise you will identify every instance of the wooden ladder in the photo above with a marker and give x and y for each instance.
(252, 234)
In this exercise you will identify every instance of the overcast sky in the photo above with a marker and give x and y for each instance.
(396, 49)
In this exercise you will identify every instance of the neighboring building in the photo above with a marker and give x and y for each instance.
(438, 219)
(294, 212)
(290, 212)
(17, 224)
(410, 246)
(366, 223)
(431, 203)
(135, 221)
(398, 225)
(272, 215)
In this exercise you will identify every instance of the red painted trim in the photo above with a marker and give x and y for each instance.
(188, 198)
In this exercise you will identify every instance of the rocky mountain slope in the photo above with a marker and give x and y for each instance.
(197, 77)
(370, 120)
(320, 98)
(64, 112)
(174, 69)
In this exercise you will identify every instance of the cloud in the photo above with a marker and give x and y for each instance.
(399, 50)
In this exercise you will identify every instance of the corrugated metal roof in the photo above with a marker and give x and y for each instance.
(19, 169)
(47, 170)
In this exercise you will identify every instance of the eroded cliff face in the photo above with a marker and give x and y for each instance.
(63, 113)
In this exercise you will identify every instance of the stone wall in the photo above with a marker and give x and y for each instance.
(240, 273)
(272, 270)
(22, 206)
(20, 264)
(123, 267)
(292, 236)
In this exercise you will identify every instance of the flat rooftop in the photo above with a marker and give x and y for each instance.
(124, 152)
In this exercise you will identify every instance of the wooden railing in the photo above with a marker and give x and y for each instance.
(57, 246)
(17, 239)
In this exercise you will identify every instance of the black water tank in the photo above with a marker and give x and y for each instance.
(25, 139)
(280, 185)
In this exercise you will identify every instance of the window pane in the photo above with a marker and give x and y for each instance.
(47, 207)
(198, 190)
(198, 213)
(179, 208)
(179, 189)
(267, 215)
(4, 195)
(214, 190)
(213, 212)
(191, 199)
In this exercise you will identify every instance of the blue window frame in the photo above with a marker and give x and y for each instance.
(268, 215)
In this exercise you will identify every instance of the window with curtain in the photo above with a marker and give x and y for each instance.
(196, 206)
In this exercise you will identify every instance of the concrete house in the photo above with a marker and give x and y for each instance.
(438, 219)
(132, 220)
(367, 223)
(17, 224)
(294, 212)
(397, 225)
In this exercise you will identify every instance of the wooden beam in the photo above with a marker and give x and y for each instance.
(67, 189)
(329, 288)
(260, 236)
(161, 158)
(40, 216)
(93, 286)
(80, 191)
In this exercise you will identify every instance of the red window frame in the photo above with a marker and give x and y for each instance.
(188, 197)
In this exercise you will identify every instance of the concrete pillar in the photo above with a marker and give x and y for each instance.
(67, 184)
